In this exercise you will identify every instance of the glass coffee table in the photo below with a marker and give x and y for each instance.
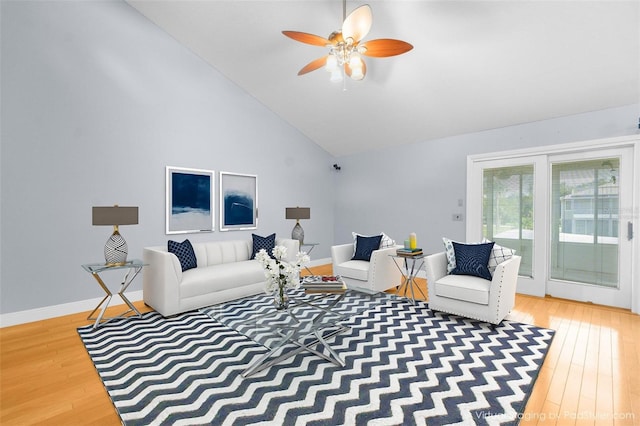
(304, 326)
(314, 316)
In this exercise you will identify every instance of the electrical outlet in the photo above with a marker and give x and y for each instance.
(457, 217)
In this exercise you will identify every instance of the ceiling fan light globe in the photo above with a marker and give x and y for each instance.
(355, 62)
(332, 63)
(336, 76)
(357, 74)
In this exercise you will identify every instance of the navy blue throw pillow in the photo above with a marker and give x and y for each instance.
(473, 259)
(365, 247)
(184, 252)
(267, 243)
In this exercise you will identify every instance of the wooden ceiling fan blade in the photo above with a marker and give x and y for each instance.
(307, 38)
(314, 65)
(357, 25)
(383, 47)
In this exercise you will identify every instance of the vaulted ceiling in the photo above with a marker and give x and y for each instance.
(476, 64)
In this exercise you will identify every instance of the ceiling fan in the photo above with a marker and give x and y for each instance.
(346, 47)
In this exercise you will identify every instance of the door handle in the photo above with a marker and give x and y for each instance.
(629, 230)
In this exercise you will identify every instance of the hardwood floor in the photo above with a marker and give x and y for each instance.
(591, 375)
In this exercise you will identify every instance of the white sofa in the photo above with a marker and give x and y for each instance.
(470, 296)
(225, 272)
(379, 274)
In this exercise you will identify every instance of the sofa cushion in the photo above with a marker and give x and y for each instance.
(472, 259)
(263, 243)
(464, 287)
(184, 252)
(199, 281)
(217, 252)
(365, 246)
(355, 269)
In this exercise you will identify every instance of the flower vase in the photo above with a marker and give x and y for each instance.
(281, 300)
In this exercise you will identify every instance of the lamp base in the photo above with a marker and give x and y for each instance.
(116, 250)
(298, 233)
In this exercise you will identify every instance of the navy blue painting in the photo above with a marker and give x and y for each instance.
(189, 200)
(238, 201)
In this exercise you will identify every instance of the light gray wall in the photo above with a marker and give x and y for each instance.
(96, 101)
(416, 188)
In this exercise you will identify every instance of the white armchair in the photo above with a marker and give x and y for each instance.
(379, 274)
(470, 296)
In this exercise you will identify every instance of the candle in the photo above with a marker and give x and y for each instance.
(407, 244)
(413, 240)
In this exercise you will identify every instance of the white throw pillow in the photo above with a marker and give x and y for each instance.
(451, 254)
(499, 254)
(386, 241)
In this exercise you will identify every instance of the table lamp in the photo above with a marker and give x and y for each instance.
(115, 250)
(297, 213)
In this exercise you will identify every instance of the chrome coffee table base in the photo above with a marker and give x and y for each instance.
(303, 334)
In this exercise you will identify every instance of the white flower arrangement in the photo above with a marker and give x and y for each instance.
(281, 274)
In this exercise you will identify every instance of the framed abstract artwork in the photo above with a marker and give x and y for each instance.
(238, 201)
(190, 200)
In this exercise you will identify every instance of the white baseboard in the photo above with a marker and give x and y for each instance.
(319, 262)
(38, 314)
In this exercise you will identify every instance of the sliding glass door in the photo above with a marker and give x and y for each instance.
(510, 211)
(564, 214)
(589, 239)
(585, 200)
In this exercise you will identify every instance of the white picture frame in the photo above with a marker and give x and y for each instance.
(190, 205)
(238, 201)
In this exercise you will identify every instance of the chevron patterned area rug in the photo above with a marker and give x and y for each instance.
(405, 365)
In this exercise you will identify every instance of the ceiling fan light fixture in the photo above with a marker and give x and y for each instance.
(346, 46)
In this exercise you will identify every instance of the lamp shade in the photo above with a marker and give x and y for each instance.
(114, 215)
(297, 213)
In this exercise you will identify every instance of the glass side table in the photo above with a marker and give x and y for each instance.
(312, 246)
(133, 268)
(409, 270)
